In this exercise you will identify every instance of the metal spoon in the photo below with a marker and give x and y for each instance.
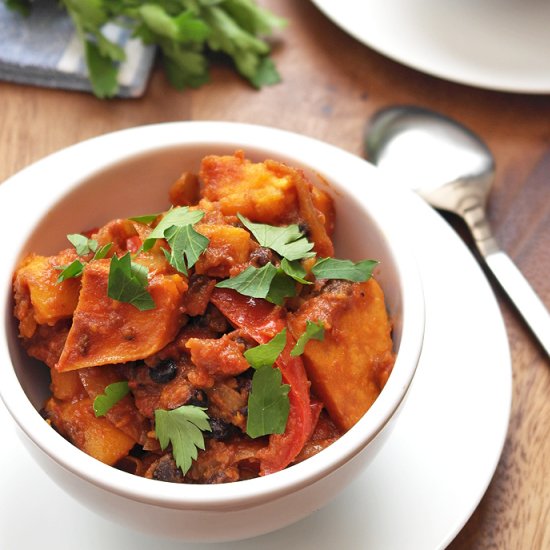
(452, 170)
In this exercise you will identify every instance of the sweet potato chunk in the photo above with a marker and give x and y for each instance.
(252, 189)
(39, 298)
(311, 217)
(95, 436)
(350, 366)
(47, 342)
(185, 191)
(106, 331)
(268, 192)
(124, 414)
(229, 247)
(66, 386)
(117, 232)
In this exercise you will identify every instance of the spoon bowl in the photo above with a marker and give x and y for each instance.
(443, 161)
(452, 169)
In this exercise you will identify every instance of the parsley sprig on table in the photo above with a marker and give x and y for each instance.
(186, 31)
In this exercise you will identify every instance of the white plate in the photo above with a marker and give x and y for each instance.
(423, 485)
(496, 44)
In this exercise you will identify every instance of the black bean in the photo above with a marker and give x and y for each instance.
(198, 399)
(221, 430)
(165, 371)
(304, 228)
(262, 256)
(166, 470)
(137, 451)
(244, 380)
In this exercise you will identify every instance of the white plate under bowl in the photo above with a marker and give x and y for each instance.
(495, 44)
(425, 482)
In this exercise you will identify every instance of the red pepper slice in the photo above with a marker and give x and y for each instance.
(262, 321)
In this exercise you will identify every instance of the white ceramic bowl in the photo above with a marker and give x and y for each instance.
(128, 173)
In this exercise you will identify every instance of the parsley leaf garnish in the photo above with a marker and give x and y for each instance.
(102, 251)
(182, 427)
(146, 218)
(282, 286)
(253, 281)
(268, 404)
(128, 283)
(265, 355)
(314, 331)
(179, 217)
(186, 244)
(82, 244)
(74, 269)
(267, 282)
(113, 393)
(332, 268)
(295, 270)
(288, 241)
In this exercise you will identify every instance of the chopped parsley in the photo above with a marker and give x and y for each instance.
(146, 218)
(288, 241)
(277, 283)
(265, 355)
(186, 244)
(253, 281)
(113, 393)
(74, 269)
(83, 245)
(128, 283)
(295, 270)
(179, 216)
(268, 404)
(333, 268)
(314, 331)
(183, 427)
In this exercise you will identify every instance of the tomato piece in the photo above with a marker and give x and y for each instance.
(133, 244)
(262, 320)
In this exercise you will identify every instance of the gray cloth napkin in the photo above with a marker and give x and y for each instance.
(43, 49)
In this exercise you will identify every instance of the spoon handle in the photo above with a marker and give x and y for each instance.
(522, 295)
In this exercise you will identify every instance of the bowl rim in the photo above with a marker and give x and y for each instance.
(78, 163)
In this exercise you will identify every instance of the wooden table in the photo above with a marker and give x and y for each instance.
(331, 87)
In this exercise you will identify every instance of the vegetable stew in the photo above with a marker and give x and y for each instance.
(217, 341)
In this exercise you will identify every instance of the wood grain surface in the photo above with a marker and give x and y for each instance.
(331, 86)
